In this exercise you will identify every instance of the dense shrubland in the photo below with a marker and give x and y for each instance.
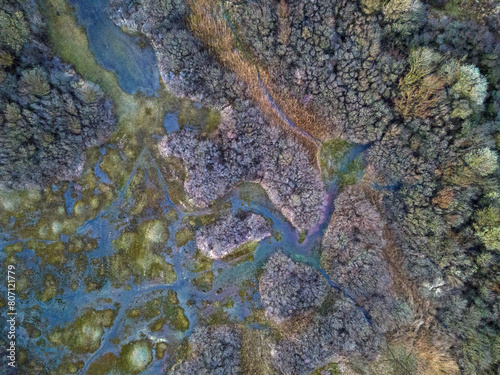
(48, 114)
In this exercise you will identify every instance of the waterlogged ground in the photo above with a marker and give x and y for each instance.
(108, 274)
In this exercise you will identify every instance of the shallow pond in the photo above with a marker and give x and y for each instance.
(130, 57)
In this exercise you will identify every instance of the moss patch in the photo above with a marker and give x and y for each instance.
(135, 357)
(85, 333)
(166, 309)
(329, 369)
(183, 236)
(204, 282)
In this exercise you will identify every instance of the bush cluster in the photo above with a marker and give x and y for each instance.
(288, 289)
(226, 234)
(213, 350)
(48, 114)
(246, 147)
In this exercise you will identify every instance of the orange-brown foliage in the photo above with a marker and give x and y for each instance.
(420, 98)
(443, 198)
(207, 23)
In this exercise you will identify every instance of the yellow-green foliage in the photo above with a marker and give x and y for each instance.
(471, 84)
(12, 112)
(34, 82)
(397, 9)
(88, 91)
(255, 354)
(371, 6)
(330, 369)
(487, 227)
(5, 59)
(483, 161)
(395, 360)
(14, 30)
(422, 86)
(422, 62)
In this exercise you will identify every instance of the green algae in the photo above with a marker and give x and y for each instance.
(183, 236)
(70, 42)
(253, 192)
(329, 369)
(78, 244)
(331, 154)
(51, 253)
(200, 263)
(204, 118)
(109, 163)
(32, 330)
(70, 367)
(242, 253)
(160, 349)
(180, 321)
(204, 282)
(135, 357)
(23, 284)
(10, 252)
(353, 172)
(218, 316)
(103, 365)
(157, 325)
(302, 236)
(139, 254)
(85, 333)
(50, 288)
(165, 309)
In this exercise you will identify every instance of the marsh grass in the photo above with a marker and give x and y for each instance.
(410, 352)
(256, 352)
(70, 42)
(206, 20)
(242, 254)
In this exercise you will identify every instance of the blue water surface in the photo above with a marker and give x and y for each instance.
(130, 57)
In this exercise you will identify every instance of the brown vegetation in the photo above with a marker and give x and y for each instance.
(432, 358)
(444, 198)
(206, 20)
(418, 99)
